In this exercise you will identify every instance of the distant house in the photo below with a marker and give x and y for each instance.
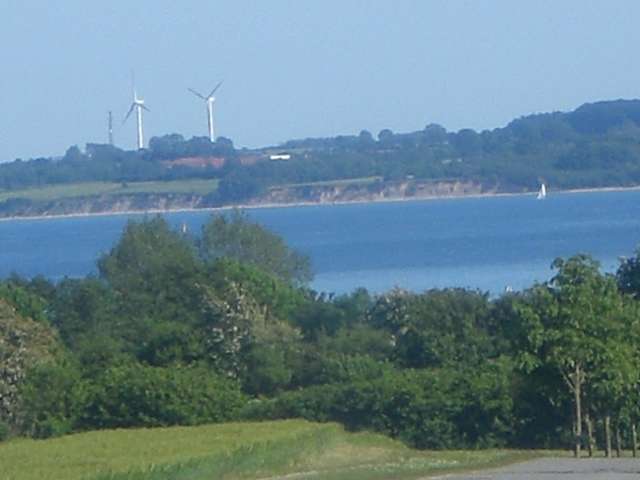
(280, 156)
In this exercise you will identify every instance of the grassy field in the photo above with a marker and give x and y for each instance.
(234, 451)
(335, 183)
(57, 192)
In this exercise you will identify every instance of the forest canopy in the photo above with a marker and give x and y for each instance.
(181, 329)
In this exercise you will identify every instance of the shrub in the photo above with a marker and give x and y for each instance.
(441, 408)
(53, 398)
(24, 343)
(136, 395)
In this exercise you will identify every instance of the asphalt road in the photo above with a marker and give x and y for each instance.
(560, 469)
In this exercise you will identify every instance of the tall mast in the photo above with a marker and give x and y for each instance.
(110, 128)
(212, 134)
(140, 137)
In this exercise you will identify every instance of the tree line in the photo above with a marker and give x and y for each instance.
(595, 145)
(181, 329)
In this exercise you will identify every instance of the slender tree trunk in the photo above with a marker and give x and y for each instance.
(577, 390)
(592, 441)
(607, 435)
(618, 441)
(634, 439)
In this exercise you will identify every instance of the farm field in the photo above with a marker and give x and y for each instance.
(234, 451)
(57, 192)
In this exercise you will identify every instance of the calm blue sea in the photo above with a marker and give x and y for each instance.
(483, 243)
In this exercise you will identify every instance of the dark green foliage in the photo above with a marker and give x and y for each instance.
(326, 314)
(5, 431)
(279, 298)
(268, 370)
(80, 308)
(601, 117)
(319, 316)
(427, 409)
(359, 339)
(153, 269)
(236, 237)
(26, 301)
(54, 397)
(24, 344)
(628, 275)
(182, 330)
(354, 367)
(239, 186)
(436, 328)
(134, 395)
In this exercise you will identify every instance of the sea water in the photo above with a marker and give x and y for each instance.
(489, 243)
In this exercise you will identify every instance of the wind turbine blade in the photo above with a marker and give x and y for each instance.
(197, 94)
(214, 90)
(144, 108)
(133, 105)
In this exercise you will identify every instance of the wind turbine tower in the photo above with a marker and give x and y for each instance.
(138, 106)
(209, 100)
(110, 128)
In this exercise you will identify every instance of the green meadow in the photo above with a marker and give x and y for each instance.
(58, 192)
(234, 451)
(335, 183)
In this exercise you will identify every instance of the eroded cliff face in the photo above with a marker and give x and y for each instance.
(101, 204)
(377, 191)
(320, 194)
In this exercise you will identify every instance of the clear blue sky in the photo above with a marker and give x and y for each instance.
(303, 68)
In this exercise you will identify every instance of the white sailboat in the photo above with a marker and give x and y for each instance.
(542, 193)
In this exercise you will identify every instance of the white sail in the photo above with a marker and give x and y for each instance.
(542, 193)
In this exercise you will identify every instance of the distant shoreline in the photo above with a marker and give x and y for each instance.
(251, 206)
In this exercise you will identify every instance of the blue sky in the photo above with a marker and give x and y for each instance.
(302, 68)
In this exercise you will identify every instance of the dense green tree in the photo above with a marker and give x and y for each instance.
(82, 306)
(178, 329)
(53, 399)
(24, 344)
(615, 377)
(365, 139)
(154, 272)
(435, 134)
(279, 298)
(628, 275)
(238, 334)
(436, 328)
(235, 236)
(467, 142)
(385, 137)
(566, 324)
(25, 300)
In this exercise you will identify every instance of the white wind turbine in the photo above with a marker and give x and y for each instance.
(138, 106)
(210, 100)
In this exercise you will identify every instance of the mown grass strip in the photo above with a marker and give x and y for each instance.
(259, 450)
(80, 456)
(255, 460)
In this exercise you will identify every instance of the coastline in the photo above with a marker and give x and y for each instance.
(252, 206)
